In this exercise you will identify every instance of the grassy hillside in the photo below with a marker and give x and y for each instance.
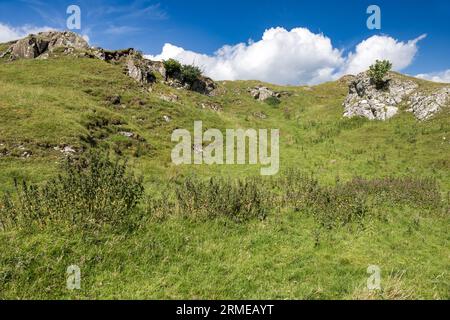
(48, 104)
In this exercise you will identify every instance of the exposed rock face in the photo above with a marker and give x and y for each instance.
(44, 43)
(425, 106)
(137, 67)
(140, 70)
(157, 66)
(203, 85)
(366, 100)
(263, 93)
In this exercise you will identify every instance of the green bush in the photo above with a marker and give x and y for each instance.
(241, 200)
(378, 71)
(190, 73)
(272, 101)
(92, 192)
(173, 68)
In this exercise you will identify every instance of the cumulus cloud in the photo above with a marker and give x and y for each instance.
(8, 33)
(281, 56)
(442, 76)
(401, 54)
(298, 56)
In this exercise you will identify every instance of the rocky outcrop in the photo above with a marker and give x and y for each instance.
(140, 70)
(203, 85)
(365, 99)
(425, 106)
(45, 43)
(137, 67)
(263, 93)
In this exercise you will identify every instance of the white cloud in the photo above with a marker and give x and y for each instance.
(442, 76)
(401, 54)
(8, 33)
(297, 56)
(281, 56)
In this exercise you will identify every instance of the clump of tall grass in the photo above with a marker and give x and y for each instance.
(92, 191)
(354, 200)
(240, 200)
(415, 191)
(329, 206)
(193, 197)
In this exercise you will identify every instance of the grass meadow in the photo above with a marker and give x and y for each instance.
(350, 193)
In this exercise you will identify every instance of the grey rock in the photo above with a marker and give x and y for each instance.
(169, 97)
(263, 93)
(44, 43)
(425, 106)
(127, 134)
(260, 115)
(366, 100)
(212, 106)
(203, 85)
(139, 70)
(68, 150)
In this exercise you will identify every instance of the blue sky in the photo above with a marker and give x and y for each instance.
(203, 27)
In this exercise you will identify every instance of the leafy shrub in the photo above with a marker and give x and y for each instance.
(272, 101)
(378, 71)
(190, 74)
(93, 191)
(240, 200)
(173, 68)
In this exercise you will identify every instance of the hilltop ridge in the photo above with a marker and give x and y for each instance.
(52, 44)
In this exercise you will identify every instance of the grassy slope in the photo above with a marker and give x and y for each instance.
(49, 103)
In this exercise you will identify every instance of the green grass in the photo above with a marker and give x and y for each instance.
(280, 258)
(64, 101)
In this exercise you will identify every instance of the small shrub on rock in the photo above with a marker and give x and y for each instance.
(173, 68)
(378, 71)
(190, 74)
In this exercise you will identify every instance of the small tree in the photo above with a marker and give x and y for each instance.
(173, 68)
(378, 71)
(190, 73)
